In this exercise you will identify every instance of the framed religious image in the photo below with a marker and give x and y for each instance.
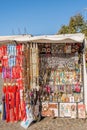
(81, 111)
(71, 98)
(45, 109)
(54, 108)
(68, 110)
(50, 109)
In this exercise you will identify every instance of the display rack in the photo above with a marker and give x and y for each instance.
(61, 69)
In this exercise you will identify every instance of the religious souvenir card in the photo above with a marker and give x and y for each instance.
(68, 110)
(50, 109)
(81, 111)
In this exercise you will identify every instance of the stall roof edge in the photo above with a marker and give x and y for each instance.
(62, 38)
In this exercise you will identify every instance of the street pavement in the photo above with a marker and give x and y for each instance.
(48, 123)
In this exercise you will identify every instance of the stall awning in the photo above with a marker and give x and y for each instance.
(6, 39)
(64, 38)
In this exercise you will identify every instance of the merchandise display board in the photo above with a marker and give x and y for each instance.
(61, 71)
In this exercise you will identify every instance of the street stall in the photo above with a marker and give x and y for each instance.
(45, 74)
(61, 73)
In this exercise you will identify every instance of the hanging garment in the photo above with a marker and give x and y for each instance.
(8, 72)
(16, 72)
(0, 67)
(12, 105)
(14, 76)
(12, 71)
(4, 107)
(20, 83)
(14, 50)
(12, 61)
(19, 71)
(19, 49)
(17, 105)
(11, 50)
(23, 110)
(4, 73)
(4, 50)
(22, 105)
(1, 53)
(19, 60)
(4, 61)
(7, 107)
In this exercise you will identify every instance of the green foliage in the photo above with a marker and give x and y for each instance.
(64, 29)
(76, 24)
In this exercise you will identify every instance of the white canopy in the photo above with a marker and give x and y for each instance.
(64, 38)
(4, 39)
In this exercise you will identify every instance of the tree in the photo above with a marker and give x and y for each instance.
(64, 29)
(84, 29)
(76, 24)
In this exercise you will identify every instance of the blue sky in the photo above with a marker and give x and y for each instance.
(37, 17)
